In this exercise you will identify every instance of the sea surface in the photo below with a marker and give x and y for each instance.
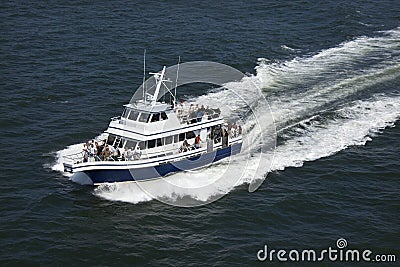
(330, 71)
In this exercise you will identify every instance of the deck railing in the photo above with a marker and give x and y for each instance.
(74, 158)
(79, 157)
(190, 117)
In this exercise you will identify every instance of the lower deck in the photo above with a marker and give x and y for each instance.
(107, 174)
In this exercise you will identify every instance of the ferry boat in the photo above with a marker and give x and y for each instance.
(152, 139)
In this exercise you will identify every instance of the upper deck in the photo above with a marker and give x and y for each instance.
(148, 117)
(143, 122)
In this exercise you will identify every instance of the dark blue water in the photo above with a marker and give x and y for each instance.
(329, 69)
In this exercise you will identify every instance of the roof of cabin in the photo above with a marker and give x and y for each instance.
(158, 107)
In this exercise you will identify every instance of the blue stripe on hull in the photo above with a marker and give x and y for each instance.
(140, 174)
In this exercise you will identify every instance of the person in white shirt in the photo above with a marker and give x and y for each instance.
(128, 154)
(233, 132)
(137, 153)
(92, 152)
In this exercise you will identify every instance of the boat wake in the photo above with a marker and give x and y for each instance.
(322, 104)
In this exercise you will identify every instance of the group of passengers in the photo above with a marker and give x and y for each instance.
(198, 113)
(219, 134)
(99, 151)
(186, 146)
(235, 130)
(132, 153)
(222, 133)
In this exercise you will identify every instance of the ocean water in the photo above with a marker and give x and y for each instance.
(330, 71)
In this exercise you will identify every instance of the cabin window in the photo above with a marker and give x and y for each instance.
(190, 135)
(142, 145)
(125, 113)
(159, 142)
(155, 117)
(130, 144)
(110, 139)
(144, 117)
(168, 140)
(151, 143)
(164, 116)
(133, 115)
(122, 144)
(176, 138)
(118, 142)
(181, 137)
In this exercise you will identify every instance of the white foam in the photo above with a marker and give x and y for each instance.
(334, 61)
(355, 126)
(58, 165)
(285, 47)
(300, 104)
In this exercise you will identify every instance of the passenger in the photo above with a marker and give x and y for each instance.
(117, 154)
(224, 137)
(205, 117)
(239, 130)
(192, 117)
(208, 115)
(107, 153)
(85, 152)
(217, 134)
(98, 149)
(128, 154)
(184, 147)
(137, 153)
(233, 132)
(197, 142)
(200, 114)
(113, 150)
(92, 153)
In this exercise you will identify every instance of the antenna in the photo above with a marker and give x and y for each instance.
(144, 74)
(159, 77)
(176, 81)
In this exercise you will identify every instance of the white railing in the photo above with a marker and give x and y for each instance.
(74, 158)
(194, 116)
(79, 157)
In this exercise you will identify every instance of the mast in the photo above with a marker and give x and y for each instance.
(159, 78)
(144, 74)
(176, 81)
